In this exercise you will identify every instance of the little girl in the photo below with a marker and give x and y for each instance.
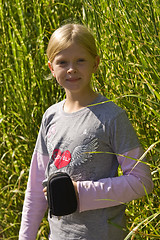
(87, 136)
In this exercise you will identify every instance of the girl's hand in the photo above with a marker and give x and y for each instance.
(45, 192)
(76, 190)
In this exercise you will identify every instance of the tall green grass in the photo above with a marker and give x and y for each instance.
(127, 34)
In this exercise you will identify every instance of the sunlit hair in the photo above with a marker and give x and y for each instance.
(64, 36)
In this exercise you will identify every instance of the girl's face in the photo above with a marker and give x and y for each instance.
(73, 68)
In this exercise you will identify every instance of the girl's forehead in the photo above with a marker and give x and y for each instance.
(74, 49)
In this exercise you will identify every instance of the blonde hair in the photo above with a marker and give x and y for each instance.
(64, 36)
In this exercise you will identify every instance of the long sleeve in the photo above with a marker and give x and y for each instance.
(108, 192)
(35, 203)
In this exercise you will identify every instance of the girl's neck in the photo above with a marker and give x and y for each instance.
(75, 102)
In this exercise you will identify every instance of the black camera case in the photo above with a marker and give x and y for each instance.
(61, 194)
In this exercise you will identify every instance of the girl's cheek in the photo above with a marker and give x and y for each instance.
(59, 81)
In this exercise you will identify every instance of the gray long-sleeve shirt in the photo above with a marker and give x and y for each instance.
(84, 144)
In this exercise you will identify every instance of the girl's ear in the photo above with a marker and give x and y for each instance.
(51, 68)
(97, 60)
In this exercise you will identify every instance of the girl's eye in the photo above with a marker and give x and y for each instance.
(62, 62)
(81, 60)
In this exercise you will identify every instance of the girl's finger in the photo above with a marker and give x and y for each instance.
(45, 190)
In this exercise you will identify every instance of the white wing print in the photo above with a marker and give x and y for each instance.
(83, 152)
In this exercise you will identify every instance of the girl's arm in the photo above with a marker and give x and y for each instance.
(35, 203)
(108, 192)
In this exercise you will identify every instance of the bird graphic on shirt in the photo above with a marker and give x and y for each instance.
(83, 152)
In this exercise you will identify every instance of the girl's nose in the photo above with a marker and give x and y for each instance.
(72, 69)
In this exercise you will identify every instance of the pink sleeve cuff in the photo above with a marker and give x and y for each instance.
(35, 203)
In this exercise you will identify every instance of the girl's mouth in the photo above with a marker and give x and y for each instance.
(73, 79)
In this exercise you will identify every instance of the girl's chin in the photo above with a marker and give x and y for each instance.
(78, 90)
